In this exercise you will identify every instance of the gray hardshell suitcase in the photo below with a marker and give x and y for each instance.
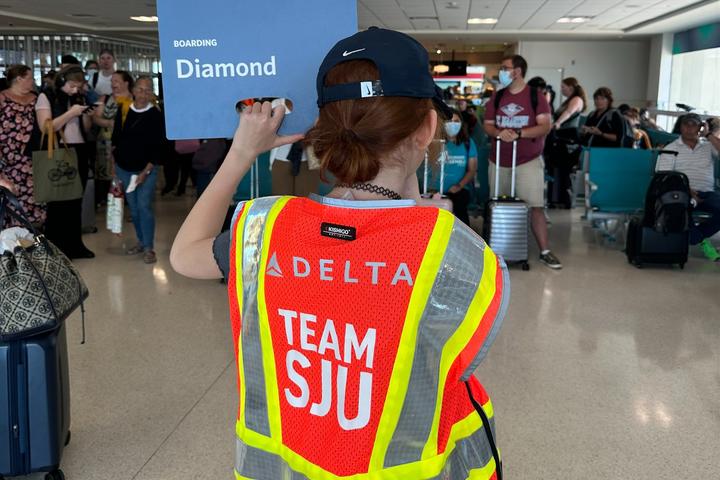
(506, 228)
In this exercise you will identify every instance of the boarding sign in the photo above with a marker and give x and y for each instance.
(216, 53)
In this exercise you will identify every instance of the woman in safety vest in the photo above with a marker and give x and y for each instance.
(358, 318)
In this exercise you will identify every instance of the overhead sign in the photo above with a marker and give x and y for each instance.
(216, 53)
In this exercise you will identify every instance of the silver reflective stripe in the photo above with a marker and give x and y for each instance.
(256, 410)
(470, 453)
(497, 321)
(452, 293)
(253, 463)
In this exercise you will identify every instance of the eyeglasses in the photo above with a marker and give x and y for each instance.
(143, 90)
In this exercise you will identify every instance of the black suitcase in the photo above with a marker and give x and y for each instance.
(646, 245)
(34, 405)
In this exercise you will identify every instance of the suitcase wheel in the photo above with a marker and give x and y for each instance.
(56, 475)
(67, 439)
(682, 266)
(526, 266)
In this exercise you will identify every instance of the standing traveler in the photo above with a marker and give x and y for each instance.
(519, 113)
(101, 81)
(460, 166)
(119, 101)
(20, 134)
(363, 315)
(65, 105)
(138, 143)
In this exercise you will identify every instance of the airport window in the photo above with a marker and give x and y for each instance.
(694, 80)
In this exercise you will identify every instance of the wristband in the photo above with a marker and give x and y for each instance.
(519, 132)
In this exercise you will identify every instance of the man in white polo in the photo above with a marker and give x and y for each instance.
(695, 159)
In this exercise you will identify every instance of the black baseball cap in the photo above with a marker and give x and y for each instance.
(691, 118)
(402, 61)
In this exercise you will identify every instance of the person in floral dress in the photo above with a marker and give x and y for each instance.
(19, 135)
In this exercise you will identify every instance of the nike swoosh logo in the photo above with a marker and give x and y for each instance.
(346, 53)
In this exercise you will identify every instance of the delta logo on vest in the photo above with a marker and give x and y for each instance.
(344, 271)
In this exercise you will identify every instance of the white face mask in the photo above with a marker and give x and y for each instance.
(89, 74)
(452, 128)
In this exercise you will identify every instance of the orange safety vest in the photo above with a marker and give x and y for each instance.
(357, 332)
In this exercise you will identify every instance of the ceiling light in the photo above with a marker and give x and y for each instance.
(482, 21)
(438, 51)
(574, 19)
(441, 68)
(143, 18)
(452, 5)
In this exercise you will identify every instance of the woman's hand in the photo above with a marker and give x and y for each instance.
(4, 182)
(257, 132)
(77, 110)
(454, 189)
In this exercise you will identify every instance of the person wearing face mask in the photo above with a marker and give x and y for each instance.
(518, 113)
(65, 106)
(460, 166)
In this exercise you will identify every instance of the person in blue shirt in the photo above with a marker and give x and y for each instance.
(460, 166)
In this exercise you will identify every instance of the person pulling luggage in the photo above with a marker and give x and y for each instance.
(517, 112)
(358, 318)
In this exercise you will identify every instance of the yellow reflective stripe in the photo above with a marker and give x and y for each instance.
(271, 383)
(239, 237)
(483, 473)
(428, 468)
(458, 341)
(404, 360)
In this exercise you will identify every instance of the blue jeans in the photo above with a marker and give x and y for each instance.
(710, 204)
(141, 206)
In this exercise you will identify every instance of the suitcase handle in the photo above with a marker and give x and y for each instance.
(497, 168)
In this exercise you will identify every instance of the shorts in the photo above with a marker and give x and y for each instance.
(530, 183)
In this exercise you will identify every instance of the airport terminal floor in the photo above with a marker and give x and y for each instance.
(601, 370)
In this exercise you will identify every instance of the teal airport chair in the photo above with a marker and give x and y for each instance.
(616, 182)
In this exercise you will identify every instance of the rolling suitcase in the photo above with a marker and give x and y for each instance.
(646, 245)
(34, 404)
(662, 236)
(429, 200)
(506, 226)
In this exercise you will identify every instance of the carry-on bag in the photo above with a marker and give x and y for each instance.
(34, 404)
(662, 236)
(506, 219)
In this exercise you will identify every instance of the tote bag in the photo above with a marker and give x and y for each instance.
(55, 171)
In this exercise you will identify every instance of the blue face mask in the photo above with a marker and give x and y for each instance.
(505, 78)
(452, 128)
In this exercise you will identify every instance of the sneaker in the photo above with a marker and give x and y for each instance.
(137, 249)
(709, 250)
(551, 261)
(149, 257)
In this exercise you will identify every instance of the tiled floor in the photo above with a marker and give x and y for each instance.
(601, 371)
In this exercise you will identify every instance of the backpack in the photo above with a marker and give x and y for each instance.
(533, 99)
(667, 203)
